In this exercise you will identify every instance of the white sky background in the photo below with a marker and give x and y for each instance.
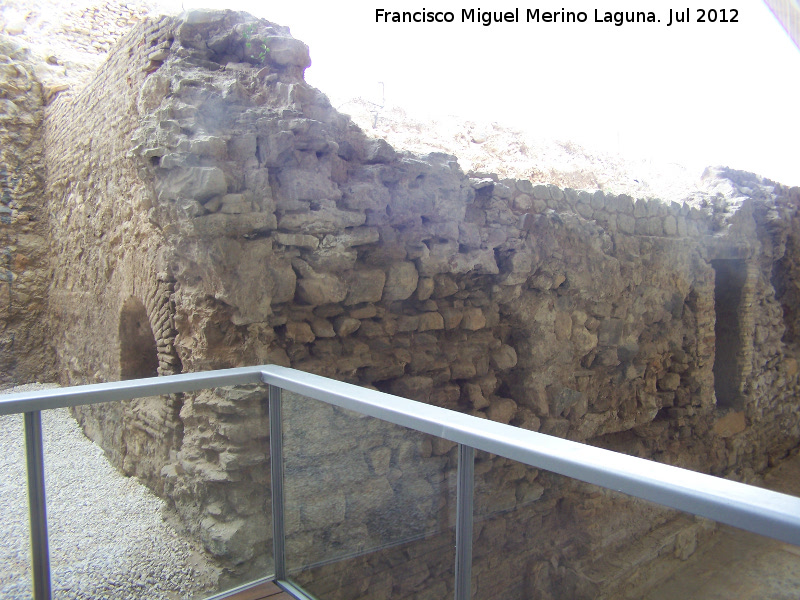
(695, 94)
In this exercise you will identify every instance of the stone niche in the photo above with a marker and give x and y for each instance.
(138, 354)
(730, 277)
(209, 209)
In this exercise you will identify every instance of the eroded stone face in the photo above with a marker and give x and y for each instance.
(25, 356)
(255, 224)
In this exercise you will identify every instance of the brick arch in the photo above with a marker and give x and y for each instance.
(156, 294)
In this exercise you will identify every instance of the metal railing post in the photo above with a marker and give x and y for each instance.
(40, 549)
(464, 504)
(276, 478)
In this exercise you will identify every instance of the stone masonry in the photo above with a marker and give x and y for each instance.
(24, 265)
(209, 209)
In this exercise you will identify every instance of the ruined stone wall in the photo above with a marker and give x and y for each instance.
(25, 351)
(108, 274)
(200, 182)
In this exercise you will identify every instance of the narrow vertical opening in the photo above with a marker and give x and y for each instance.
(138, 355)
(730, 276)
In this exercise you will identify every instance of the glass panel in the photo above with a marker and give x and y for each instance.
(370, 506)
(111, 536)
(539, 535)
(15, 566)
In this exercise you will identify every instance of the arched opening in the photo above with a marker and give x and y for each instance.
(730, 277)
(138, 355)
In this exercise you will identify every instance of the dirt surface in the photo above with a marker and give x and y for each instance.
(492, 147)
(738, 565)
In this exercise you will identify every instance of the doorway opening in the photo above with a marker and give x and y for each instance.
(138, 354)
(730, 277)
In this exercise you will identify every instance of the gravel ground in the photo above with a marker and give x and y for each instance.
(108, 538)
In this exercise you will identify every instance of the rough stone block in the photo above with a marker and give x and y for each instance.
(444, 286)
(541, 192)
(366, 196)
(425, 288)
(408, 323)
(242, 147)
(325, 220)
(323, 288)
(523, 202)
(473, 319)
(525, 186)
(298, 240)
(670, 225)
(345, 326)
(501, 410)
(306, 185)
(584, 210)
(557, 194)
(599, 200)
(562, 398)
(235, 204)
(284, 51)
(412, 387)
(729, 424)
(210, 146)
(626, 223)
(504, 358)
(610, 332)
(401, 281)
(197, 183)
(365, 286)
(583, 340)
(322, 328)
(452, 317)
(430, 321)
(669, 382)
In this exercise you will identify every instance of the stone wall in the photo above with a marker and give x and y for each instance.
(25, 353)
(109, 276)
(211, 209)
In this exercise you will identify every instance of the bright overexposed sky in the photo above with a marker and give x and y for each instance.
(692, 93)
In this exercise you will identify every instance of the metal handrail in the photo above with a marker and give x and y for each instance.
(747, 507)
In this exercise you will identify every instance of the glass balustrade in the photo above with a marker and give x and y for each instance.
(539, 535)
(369, 506)
(110, 536)
(367, 509)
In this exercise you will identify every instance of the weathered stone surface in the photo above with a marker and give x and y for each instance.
(430, 320)
(670, 382)
(504, 358)
(473, 319)
(300, 332)
(322, 328)
(401, 281)
(365, 286)
(415, 388)
(298, 240)
(325, 220)
(26, 345)
(502, 410)
(729, 424)
(287, 51)
(344, 326)
(318, 288)
(562, 398)
(197, 183)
